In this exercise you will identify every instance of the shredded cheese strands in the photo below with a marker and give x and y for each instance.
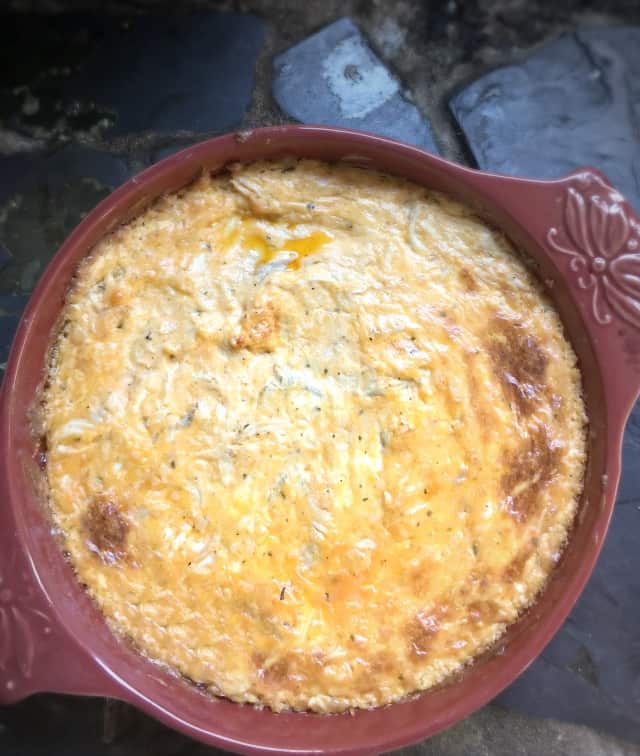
(315, 436)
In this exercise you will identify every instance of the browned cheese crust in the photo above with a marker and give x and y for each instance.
(315, 436)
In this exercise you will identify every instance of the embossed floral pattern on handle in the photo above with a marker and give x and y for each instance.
(602, 241)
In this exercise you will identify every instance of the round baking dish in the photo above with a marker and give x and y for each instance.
(585, 240)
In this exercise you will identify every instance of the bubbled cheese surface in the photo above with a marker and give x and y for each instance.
(315, 435)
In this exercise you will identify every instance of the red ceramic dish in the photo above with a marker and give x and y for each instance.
(586, 241)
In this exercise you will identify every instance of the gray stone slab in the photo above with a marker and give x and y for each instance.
(41, 207)
(169, 73)
(13, 168)
(333, 77)
(574, 102)
(115, 75)
(5, 256)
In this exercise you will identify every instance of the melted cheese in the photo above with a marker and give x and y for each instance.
(315, 435)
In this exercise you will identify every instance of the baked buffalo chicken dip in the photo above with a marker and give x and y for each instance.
(314, 434)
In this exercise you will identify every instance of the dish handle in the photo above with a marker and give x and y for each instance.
(36, 653)
(588, 239)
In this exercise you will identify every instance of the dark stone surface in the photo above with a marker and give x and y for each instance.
(333, 77)
(107, 76)
(5, 256)
(13, 168)
(47, 202)
(574, 102)
(33, 87)
(10, 308)
(171, 73)
(40, 207)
